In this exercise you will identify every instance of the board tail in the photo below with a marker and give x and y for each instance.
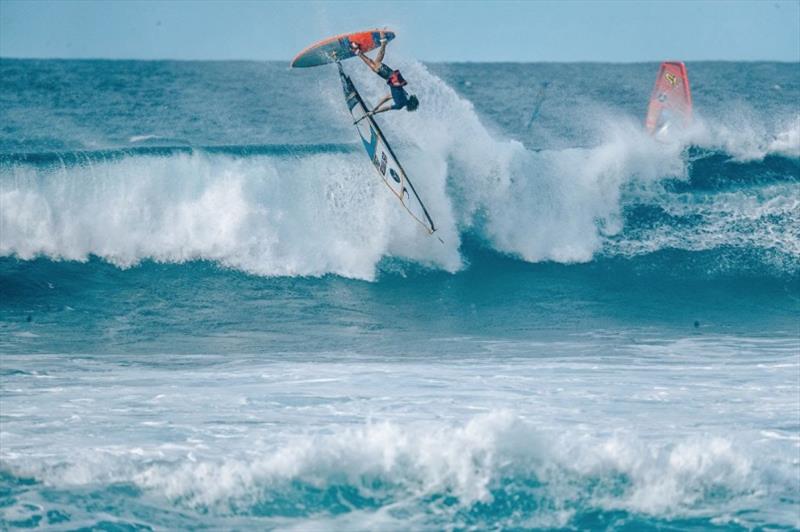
(671, 100)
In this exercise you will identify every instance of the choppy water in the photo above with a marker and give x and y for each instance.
(214, 314)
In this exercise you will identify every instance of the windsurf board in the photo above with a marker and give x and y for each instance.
(339, 48)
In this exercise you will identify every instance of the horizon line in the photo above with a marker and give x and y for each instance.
(437, 61)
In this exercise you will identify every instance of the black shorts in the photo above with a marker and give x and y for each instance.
(399, 96)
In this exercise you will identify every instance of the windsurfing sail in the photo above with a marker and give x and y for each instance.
(382, 156)
(671, 100)
(537, 104)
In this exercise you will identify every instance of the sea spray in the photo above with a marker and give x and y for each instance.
(606, 338)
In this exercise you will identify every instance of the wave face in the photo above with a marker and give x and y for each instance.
(213, 314)
(295, 210)
(298, 214)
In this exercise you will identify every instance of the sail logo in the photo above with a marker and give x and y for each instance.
(671, 78)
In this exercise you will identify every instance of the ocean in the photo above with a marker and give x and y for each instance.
(215, 315)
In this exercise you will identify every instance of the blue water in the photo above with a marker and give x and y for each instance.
(213, 314)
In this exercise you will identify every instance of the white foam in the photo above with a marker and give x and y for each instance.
(141, 138)
(306, 216)
(787, 141)
(553, 205)
(766, 221)
(691, 433)
(406, 464)
(743, 134)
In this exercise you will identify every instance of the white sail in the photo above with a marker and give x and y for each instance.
(382, 156)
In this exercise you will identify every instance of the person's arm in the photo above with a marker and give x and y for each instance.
(382, 49)
(370, 63)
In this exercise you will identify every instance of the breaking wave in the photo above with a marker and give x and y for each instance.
(291, 210)
(493, 469)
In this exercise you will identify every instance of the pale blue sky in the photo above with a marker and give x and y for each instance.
(432, 31)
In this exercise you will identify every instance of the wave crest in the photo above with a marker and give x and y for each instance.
(493, 468)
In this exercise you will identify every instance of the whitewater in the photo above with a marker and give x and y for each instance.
(214, 314)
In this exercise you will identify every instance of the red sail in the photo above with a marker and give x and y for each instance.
(671, 101)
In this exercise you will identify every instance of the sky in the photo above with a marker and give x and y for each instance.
(615, 31)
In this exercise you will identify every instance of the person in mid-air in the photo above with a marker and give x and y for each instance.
(393, 78)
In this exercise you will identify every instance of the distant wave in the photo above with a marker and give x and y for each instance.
(79, 157)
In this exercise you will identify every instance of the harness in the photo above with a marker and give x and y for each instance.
(396, 79)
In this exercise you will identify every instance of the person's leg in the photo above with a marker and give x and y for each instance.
(386, 107)
(370, 63)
